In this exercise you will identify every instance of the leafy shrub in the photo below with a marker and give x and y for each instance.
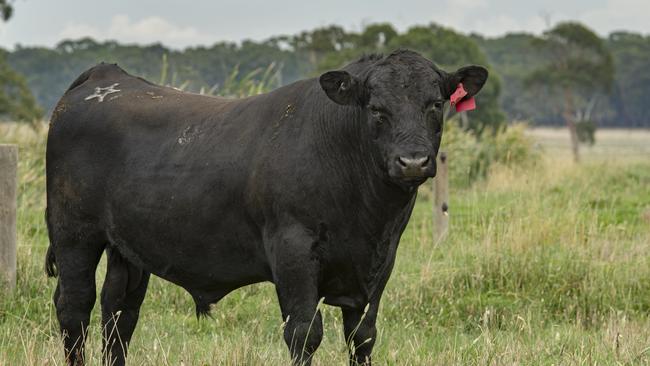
(471, 157)
(16, 100)
(586, 132)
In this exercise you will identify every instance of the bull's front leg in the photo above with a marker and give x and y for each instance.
(296, 270)
(360, 332)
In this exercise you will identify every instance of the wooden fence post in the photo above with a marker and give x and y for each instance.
(441, 199)
(8, 174)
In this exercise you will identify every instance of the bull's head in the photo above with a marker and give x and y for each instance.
(402, 97)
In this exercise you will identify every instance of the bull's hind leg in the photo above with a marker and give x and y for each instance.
(122, 294)
(74, 297)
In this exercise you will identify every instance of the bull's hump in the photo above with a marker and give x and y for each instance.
(96, 83)
(106, 71)
(98, 73)
(107, 82)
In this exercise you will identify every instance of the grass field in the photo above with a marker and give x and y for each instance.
(548, 265)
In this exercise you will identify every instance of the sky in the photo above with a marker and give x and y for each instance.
(179, 24)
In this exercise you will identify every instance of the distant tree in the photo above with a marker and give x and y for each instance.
(580, 68)
(631, 90)
(321, 42)
(512, 56)
(16, 100)
(6, 10)
(375, 38)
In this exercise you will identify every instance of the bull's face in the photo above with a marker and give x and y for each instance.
(402, 97)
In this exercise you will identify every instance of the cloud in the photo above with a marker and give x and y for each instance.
(487, 17)
(147, 30)
(479, 16)
(74, 31)
(458, 14)
(602, 16)
(498, 17)
(617, 15)
(502, 24)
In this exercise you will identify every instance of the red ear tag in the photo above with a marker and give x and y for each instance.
(457, 99)
(466, 105)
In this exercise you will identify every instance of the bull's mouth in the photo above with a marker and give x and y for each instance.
(409, 180)
(409, 183)
(416, 181)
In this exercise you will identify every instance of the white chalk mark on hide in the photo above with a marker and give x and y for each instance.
(101, 93)
(189, 134)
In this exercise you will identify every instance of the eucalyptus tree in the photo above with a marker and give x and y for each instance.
(578, 69)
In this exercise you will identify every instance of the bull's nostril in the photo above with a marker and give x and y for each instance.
(426, 161)
(401, 161)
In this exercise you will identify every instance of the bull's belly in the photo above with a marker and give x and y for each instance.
(353, 280)
(192, 252)
(345, 285)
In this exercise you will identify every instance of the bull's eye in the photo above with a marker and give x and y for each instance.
(438, 104)
(377, 115)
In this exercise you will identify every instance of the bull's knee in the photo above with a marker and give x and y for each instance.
(73, 308)
(73, 318)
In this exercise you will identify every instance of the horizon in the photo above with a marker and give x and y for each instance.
(38, 24)
(239, 42)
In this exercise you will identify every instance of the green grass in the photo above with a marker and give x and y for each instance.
(546, 265)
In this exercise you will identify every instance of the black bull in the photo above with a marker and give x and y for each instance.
(309, 187)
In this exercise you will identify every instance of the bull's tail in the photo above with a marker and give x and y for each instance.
(50, 260)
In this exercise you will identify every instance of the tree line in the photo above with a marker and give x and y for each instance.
(606, 80)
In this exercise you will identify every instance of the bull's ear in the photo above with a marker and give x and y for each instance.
(473, 78)
(341, 87)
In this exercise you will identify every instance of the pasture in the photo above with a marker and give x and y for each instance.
(548, 264)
